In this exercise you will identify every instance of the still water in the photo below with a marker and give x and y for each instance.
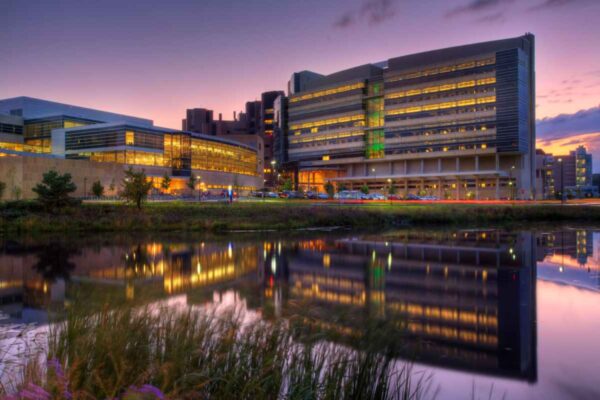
(513, 313)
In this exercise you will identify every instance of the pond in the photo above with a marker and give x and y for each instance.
(511, 313)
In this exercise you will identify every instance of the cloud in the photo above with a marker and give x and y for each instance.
(477, 6)
(496, 17)
(565, 125)
(373, 11)
(549, 4)
(344, 21)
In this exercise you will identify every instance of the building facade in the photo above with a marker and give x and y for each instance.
(457, 123)
(52, 131)
(573, 174)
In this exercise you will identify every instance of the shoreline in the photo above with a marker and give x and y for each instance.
(249, 217)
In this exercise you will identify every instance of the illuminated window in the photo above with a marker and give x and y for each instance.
(326, 158)
(129, 138)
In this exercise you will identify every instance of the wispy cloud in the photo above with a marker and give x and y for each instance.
(477, 7)
(495, 17)
(374, 12)
(551, 4)
(565, 125)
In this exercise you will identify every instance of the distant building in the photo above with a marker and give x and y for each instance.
(266, 131)
(573, 173)
(544, 175)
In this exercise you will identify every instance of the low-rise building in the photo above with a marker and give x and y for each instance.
(53, 133)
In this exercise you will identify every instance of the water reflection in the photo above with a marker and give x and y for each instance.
(460, 300)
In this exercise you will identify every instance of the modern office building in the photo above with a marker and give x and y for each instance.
(40, 135)
(573, 174)
(266, 130)
(457, 123)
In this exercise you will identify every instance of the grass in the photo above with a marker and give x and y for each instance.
(123, 351)
(277, 215)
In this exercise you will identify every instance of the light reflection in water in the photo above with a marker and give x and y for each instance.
(461, 301)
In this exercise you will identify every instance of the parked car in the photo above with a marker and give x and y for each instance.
(348, 195)
(411, 196)
(272, 195)
(377, 196)
(322, 196)
(394, 197)
(312, 195)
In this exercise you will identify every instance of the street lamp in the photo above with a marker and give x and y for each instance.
(562, 182)
(198, 179)
(374, 174)
(511, 183)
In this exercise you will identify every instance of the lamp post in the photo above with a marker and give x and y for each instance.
(562, 182)
(198, 179)
(273, 164)
(511, 183)
(389, 181)
(374, 171)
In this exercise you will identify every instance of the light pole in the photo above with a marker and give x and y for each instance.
(389, 181)
(374, 171)
(273, 164)
(511, 183)
(198, 179)
(562, 182)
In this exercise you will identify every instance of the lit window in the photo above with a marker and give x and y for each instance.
(326, 158)
(129, 138)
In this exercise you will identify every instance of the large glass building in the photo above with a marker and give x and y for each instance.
(33, 127)
(456, 123)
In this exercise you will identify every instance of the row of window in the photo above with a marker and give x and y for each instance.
(441, 106)
(447, 112)
(443, 70)
(329, 121)
(455, 93)
(441, 88)
(326, 92)
(11, 129)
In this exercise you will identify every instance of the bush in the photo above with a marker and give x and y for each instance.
(2, 189)
(54, 190)
(97, 189)
(136, 187)
(166, 182)
(364, 189)
(329, 189)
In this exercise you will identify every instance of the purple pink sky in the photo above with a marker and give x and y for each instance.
(155, 58)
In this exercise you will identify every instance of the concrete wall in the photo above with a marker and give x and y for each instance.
(21, 174)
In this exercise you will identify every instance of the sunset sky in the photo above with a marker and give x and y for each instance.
(154, 58)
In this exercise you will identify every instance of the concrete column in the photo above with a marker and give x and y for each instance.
(391, 168)
(405, 167)
(439, 165)
(476, 163)
(405, 188)
(457, 189)
(440, 190)
(497, 162)
(422, 166)
(457, 164)
(497, 188)
(476, 188)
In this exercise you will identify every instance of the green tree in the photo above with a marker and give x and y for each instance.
(365, 189)
(166, 182)
(288, 185)
(2, 189)
(97, 189)
(341, 187)
(191, 183)
(54, 190)
(329, 189)
(136, 187)
(392, 188)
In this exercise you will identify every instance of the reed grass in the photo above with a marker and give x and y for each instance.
(200, 355)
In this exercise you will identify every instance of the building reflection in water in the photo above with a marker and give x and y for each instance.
(462, 300)
(465, 299)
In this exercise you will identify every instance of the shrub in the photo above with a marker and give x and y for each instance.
(392, 188)
(166, 182)
(54, 190)
(97, 189)
(288, 185)
(2, 189)
(364, 189)
(341, 187)
(329, 189)
(136, 187)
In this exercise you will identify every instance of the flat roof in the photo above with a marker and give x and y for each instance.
(157, 129)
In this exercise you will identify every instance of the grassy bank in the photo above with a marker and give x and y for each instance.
(156, 353)
(277, 215)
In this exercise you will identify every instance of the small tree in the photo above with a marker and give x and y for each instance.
(111, 187)
(136, 187)
(166, 182)
(364, 189)
(2, 189)
(329, 189)
(191, 183)
(341, 187)
(54, 190)
(97, 189)
(288, 185)
(392, 188)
